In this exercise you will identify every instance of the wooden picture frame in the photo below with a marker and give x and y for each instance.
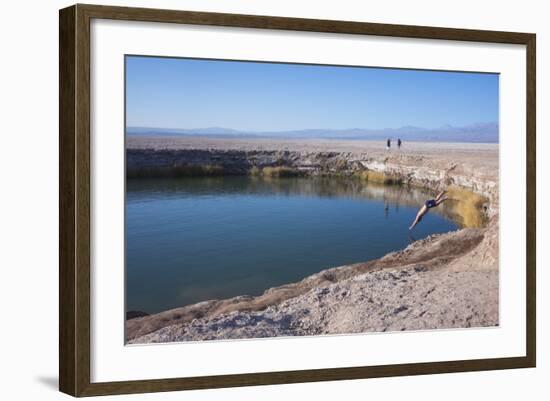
(74, 203)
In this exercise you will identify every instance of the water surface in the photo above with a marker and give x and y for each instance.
(195, 239)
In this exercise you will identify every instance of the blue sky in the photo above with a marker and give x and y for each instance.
(191, 93)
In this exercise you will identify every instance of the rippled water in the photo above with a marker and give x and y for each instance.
(194, 239)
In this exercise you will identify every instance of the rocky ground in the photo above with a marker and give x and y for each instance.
(429, 165)
(444, 281)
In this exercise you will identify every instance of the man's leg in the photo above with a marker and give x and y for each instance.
(439, 195)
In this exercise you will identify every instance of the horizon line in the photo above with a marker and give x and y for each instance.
(444, 126)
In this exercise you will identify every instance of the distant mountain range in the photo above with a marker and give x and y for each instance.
(481, 132)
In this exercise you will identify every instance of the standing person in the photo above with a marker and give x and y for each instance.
(399, 143)
(427, 206)
(388, 144)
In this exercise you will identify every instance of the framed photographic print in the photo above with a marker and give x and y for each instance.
(250, 200)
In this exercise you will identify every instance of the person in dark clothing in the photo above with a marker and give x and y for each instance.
(399, 143)
(388, 144)
(430, 203)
